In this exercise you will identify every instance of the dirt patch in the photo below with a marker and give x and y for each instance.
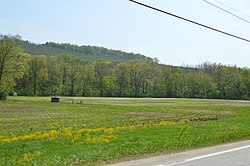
(176, 116)
(207, 117)
(152, 115)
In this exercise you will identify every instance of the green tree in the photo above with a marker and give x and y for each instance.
(234, 83)
(229, 81)
(155, 82)
(171, 80)
(102, 69)
(74, 73)
(12, 65)
(167, 75)
(109, 86)
(64, 61)
(122, 79)
(245, 87)
(140, 71)
(54, 75)
(38, 74)
(87, 79)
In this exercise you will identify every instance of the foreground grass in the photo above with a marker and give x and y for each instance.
(88, 131)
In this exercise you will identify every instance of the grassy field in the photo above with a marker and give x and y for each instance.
(95, 131)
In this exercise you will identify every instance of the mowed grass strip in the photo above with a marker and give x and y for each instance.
(94, 131)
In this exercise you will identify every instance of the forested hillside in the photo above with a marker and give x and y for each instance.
(68, 74)
(89, 53)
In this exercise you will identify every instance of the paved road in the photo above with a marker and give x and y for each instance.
(233, 154)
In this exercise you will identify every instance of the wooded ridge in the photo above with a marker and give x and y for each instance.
(67, 74)
(88, 53)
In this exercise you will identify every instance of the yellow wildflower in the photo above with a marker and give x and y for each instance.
(101, 139)
(109, 130)
(27, 157)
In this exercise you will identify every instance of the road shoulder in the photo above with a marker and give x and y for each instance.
(182, 156)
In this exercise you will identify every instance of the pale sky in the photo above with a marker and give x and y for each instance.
(123, 25)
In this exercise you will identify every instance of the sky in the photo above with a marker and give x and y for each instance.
(123, 25)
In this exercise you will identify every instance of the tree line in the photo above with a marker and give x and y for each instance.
(69, 75)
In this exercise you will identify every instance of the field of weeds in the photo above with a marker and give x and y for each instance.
(96, 131)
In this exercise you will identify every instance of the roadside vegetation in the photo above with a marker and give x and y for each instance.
(94, 131)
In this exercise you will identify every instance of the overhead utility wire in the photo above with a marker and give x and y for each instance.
(182, 18)
(210, 3)
(232, 8)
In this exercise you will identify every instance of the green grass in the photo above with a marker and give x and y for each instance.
(94, 131)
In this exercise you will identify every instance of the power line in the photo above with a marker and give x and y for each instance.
(226, 11)
(223, 4)
(182, 18)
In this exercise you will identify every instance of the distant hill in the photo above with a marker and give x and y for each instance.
(89, 53)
